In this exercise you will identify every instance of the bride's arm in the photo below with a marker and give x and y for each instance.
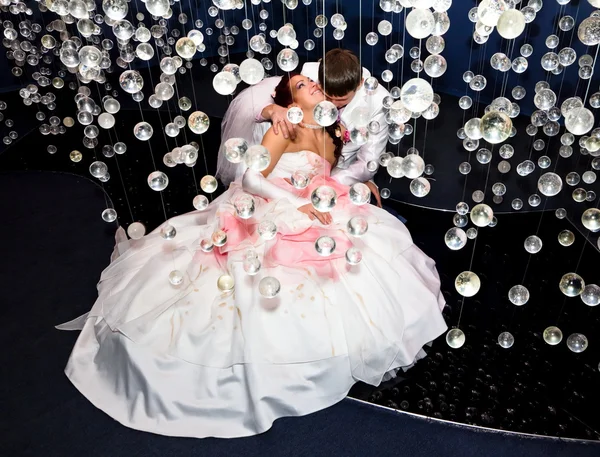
(256, 183)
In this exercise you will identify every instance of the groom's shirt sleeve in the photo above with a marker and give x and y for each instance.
(357, 171)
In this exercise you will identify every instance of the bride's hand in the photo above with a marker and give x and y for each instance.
(312, 213)
(278, 116)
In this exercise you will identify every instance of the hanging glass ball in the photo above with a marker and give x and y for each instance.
(136, 230)
(323, 198)
(143, 131)
(257, 158)
(251, 263)
(552, 335)
(325, 246)
(224, 83)
(467, 284)
(416, 95)
(591, 295)
(481, 215)
(566, 237)
(550, 184)
(579, 121)
(591, 219)
(325, 113)
(455, 338)
(176, 277)
(506, 339)
(109, 215)
(460, 220)
(357, 226)
(353, 256)
(577, 342)
(235, 149)
(359, 194)
(589, 31)
(269, 287)
(300, 179)
(287, 59)
(200, 202)
(571, 284)
(511, 24)
(225, 283)
(455, 238)
(198, 122)
(484, 156)
(267, 230)
(533, 244)
(244, 206)
(295, 115)
(518, 295)
(158, 181)
(251, 71)
(131, 81)
(208, 184)
(419, 23)
(495, 127)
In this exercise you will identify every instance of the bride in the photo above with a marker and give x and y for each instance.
(224, 320)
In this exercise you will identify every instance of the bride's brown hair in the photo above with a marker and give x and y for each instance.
(283, 97)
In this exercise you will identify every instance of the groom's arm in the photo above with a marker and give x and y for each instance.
(357, 171)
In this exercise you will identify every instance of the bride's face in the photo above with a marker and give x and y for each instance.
(305, 92)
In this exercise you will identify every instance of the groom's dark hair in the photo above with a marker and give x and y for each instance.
(339, 72)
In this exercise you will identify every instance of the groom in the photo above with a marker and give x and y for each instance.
(252, 112)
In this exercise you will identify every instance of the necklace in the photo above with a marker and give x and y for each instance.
(311, 126)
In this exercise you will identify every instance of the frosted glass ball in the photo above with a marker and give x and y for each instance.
(435, 66)
(286, 35)
(325, 246)
(251, 71)
(412, 166)
(143, 131)
(465, 102)
(267, 230)
(550, 184)
(419, 23)
(109, 215)
(570, 104)
(136, 230)
(198, 122)
(269, 287)
(131, 81)
(467, 284)
(224, 83)
(357, 226)
(287, 59)
(200, 202)
(235, 149)
(533, 244)
(571, 284)
(208, 184)
(385, 27)
(435, 45)
(577, 342)
(325, 113)
(176, 277)
(323, 198)
(579, 121)
(481, 215)
(506, 339)
(495, 127)
(416, 95)
(518, 295)
(544, 99)
(591, 219)
(257, 158)
(511, 24)
(455, 238)
(455, 338)
(359, 194)
(158, 181)
(552, 335)
(251, 265)
(589, 31)
(591, 295)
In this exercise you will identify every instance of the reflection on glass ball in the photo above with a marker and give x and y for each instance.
(235, 149)
(325, 113)
(481, 215)
(357, 226)
(198, 122)
(295, 115)
(325, 246)
(550, 184)
(591, 295)
(269, 287)
(533, 244)
(244, 206)
(225, 283)
(136, 230)
(419, 23)
(208, 184)
(467, 284)
(455, 338)
(257, 158)
(506, 339)
(566, 238)
(552, 335)
(158, 181)
(591, 219)
(359, 194)
(323, 198)
(495, 127)
(571, 284)
(577, 342)
(353, 256)
(109, 215)
(267, 230)
(131, 81)
(200, 202)
(455, 238)
(416, 95)
(518, 295)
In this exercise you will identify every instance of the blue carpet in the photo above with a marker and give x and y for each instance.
(55, 246)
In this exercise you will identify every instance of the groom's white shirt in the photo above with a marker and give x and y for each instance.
(238, 122)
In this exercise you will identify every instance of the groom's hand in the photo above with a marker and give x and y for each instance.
(278, 116)
(374, 191)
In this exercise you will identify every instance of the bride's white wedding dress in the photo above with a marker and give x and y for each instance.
(190, 360)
